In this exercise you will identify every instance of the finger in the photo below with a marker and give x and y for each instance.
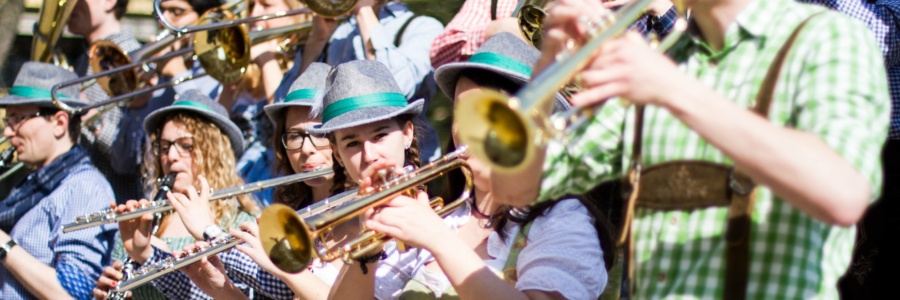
(592, 78)
(204, 187)
(383, 228)
(597, 95)
(177, 203)
(249, 227)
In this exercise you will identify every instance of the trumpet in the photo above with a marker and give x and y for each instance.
(132, 278)
(290, 239)
(109, 215)
(506, 132)
(531, 14)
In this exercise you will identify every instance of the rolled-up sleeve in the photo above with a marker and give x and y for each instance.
(410, 62)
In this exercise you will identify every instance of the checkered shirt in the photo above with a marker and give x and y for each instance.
(882, 17)
(659, 25)
(465, 33)
(78, 256)
(833, 85)
(241, 267)
(124, 178)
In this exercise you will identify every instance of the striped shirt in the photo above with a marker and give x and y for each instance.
(833, 85)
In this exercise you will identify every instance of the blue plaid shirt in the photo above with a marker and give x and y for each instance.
(77, 256)
(660, 25)
(882, 17)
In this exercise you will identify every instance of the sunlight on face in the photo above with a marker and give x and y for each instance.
(361, 146)
(176, 158)
(309, 157)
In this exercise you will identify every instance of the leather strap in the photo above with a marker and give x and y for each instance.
(699, 188)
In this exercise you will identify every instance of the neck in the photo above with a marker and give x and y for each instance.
(321, 192)
(61, 148)
(714, 17)
(105, 29)
(485, 202)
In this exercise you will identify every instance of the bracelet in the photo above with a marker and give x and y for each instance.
(381, 255)
(5, 248)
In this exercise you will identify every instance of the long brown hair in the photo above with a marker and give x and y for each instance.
(411, 155)
(212, 158)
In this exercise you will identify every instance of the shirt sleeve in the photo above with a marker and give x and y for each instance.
(842, 92)
(409, 63)
(241, 267)
(76, 282)
(129, 143)
(177, 285)
(563, 254)
(592, 155)
(466, 32)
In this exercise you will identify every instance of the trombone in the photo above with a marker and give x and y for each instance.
(505, 132)
(109, 215)
(289, 239)
(324, 8)
(48, 30)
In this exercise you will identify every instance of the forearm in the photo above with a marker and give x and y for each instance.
(38, 278)
(797, 166)
(366, 20)
(271, 74)
(311, 53)
(307, 286)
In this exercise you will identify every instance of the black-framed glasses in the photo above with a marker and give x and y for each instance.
(13, 121)
(293, 140)
(183, 146)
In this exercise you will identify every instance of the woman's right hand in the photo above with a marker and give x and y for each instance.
(108, 280)
(136, 235)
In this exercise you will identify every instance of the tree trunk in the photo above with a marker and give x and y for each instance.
(9, 18)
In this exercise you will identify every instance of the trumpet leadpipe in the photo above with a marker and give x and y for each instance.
(107, 216)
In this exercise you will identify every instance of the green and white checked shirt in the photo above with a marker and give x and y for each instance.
(833, 85)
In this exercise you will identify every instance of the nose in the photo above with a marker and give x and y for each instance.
(307, 148)
(8, 132)
(369, 155)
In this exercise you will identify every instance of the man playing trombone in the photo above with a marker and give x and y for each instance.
(38, 259)
(811, 144)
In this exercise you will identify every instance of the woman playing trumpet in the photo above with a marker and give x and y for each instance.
(193, 139)
(550, 251)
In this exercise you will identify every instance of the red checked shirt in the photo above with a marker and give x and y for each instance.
(465, 32)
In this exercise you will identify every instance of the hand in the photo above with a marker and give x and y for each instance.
(108, 280)
(411, 221)
(370, 178)
(322, 29)
(510, 25)
(136, 235)
(564, 30)
(264, 52)
(249, 233)
(209, 275)
(193, 208)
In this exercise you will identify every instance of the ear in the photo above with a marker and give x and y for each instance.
(108, 5)
(60, 122)
(408, 131)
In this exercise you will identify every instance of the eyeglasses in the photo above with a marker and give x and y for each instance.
(14, 121)
(294, 140)
(183, 146)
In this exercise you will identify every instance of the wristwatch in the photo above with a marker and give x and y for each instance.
(211, 232)
(5, 248)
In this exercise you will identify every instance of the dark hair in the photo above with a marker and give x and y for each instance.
(297, 195)
(74, 127)
(201, 6)
(489, 79)
(119, 9)
(411, 155)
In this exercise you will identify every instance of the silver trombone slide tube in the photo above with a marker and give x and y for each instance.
(135, 278)
(76, 110)
(179, 31)
(107, 216)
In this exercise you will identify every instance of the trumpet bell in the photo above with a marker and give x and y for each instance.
(285, 238)
(495, 130)
(224, 53)
(330, 8)
(531, 22)
(105, 55)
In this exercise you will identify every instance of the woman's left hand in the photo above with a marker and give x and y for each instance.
(209, 275)
(193, 208)
(409, 220)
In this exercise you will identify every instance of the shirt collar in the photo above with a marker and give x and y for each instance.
(751, 23)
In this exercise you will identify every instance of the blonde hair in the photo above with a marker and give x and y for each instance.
(212, 158)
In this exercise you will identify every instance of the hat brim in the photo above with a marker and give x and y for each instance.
(41, 102)
(365, 116)
(447, 75)
(273, 110)
(154, 120)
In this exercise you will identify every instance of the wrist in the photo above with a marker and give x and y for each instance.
(6, 248)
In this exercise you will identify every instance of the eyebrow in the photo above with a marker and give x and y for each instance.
(377, 129)
(172, 141)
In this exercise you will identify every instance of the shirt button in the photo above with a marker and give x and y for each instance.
(661, 277)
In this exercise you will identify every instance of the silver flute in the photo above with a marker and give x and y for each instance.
(134, 277)
(160, 204)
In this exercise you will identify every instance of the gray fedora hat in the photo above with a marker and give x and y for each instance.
(503, 54)
(196, 102)
(303, 91)
(361, 92)
(33, 85)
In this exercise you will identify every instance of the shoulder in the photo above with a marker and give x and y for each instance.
(86, 185)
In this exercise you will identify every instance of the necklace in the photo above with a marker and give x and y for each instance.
(490, 218)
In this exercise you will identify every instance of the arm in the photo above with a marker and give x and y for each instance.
(41, 280)
(351, 283)
(409, 63)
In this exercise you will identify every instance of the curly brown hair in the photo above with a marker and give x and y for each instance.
(213, 159)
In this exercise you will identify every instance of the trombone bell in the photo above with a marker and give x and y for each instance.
(105, 55)
(494, 131)
(224, 53)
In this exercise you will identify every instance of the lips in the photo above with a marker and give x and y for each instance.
(310, 167)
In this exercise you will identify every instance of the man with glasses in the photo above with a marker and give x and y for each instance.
(38, 259)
